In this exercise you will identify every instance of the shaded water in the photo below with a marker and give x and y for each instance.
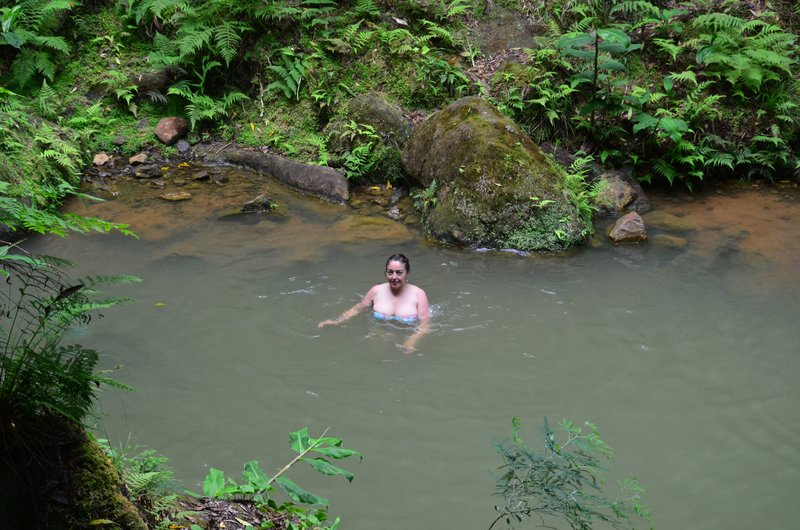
(686, 357)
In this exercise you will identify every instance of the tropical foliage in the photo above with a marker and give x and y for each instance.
(563, 481)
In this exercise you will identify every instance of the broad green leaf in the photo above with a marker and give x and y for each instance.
(326, 468)
(256, 476)
(337, 452)
(299, 494)
(576, 39)
(668, 83)
(214, 483)
(644, 121)
(299, 440)
(13, 39)
(582, 54)
(612, 65)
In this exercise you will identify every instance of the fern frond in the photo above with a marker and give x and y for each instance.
(635, 6)
(367, 7)
(665, 169)
(667, 45)
(58, 44)
(191, 41)
(718, 21)
(227, 37)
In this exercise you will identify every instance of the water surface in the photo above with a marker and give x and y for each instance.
(686, 356)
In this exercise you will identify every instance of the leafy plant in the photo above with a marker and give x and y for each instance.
(38, 374)
(563, 481)
(30, 28)
(258, 487)
(425, 198)
(290, 73)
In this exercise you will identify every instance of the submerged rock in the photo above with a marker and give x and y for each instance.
(262, 203)
(319, 181)
(488, 184)
(176, 196)
(668, 221)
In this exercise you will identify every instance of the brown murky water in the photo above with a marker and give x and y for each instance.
(684, 350)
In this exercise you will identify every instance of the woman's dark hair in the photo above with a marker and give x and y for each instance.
(402, 259)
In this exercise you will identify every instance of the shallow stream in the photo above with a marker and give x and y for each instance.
(686, 355)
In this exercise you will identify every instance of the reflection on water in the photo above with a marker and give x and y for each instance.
(684, 352)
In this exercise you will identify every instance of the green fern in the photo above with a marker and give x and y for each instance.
(290, 75)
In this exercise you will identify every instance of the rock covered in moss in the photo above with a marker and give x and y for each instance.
(620, 193)
(487, 183)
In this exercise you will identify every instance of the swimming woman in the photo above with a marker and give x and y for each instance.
(396, 299)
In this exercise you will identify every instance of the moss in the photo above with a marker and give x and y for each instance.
(98, 490)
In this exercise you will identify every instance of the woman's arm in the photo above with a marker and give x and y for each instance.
(353, 311)
(423, 314)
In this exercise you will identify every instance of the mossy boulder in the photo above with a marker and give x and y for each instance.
(487, 184)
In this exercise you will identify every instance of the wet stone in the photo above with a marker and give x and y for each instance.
(176, 196)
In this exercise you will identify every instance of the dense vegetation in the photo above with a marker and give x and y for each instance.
(681, 91)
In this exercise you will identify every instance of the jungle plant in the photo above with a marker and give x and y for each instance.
(259, 488)
(289, 74)
(39, 375)
(579, 192)
(425, 198)
(149, 481)
(199, 105)
(30, 27)
(747, 54)
(563, 481)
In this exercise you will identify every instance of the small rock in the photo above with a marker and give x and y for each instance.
(628, 228)
(262, 203)
(136, 160)
(119, 141)
(146, 172)
(219, 180)
(101, 159)
(177, 196)
(200, 175)
(157, 184)
(182, 146)
(170, 129)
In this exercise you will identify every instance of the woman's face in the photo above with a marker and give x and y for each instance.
(396, 274)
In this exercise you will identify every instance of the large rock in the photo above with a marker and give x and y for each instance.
(169, 130)
(493, 186)
(319, 181)
(620, 193)
(387, 119)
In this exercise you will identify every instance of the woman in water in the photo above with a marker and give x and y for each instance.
(394, 300)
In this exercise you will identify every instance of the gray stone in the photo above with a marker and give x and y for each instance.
(182, 146)
(387, 119)
(319, 181)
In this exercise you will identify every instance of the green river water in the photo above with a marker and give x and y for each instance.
(686, 357)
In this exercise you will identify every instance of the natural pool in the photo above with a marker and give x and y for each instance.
(687, 358)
